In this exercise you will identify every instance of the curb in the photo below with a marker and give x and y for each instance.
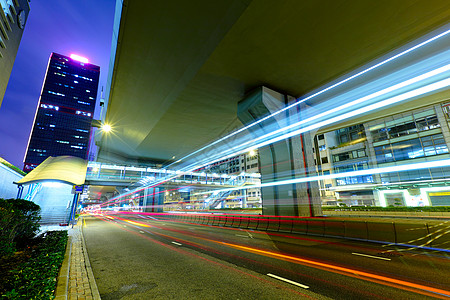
(87, 262)
(62, 284)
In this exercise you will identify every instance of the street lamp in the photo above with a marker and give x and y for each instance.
(106, 128)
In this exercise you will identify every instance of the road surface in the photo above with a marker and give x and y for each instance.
(147, 257)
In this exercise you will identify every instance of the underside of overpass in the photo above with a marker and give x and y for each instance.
(181, 68)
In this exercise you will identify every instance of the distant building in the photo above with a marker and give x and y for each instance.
(239, 170)
(13, 16)
(417, 136)
(62, 124)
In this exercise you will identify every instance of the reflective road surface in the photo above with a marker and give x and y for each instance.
(147, 257)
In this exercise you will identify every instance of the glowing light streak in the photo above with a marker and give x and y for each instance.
(398, 283)
(361, 100)
(400, 168)
(378, 278)
(136, 223)
(414, 93)
(392, 58)
(179, 250)
(260, 142)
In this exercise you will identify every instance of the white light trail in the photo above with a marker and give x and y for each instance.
(327, 118)
(252, 143)
(382, 170)
(392, 58)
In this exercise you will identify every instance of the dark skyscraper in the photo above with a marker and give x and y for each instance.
(62, 123)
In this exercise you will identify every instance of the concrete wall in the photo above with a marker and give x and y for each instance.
(7, 176)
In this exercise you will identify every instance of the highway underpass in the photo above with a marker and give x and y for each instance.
(147, 256)
(187, 77)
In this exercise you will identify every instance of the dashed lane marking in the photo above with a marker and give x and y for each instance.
(288, 281)
(371, 256)
(177, 243)
(246, 236)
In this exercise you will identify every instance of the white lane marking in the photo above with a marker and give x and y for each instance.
(289, 281)
(177, 243)
(249, 234)
(141, 231)
(371, 256)
(246, 236)
(150, 217)
(124, 225)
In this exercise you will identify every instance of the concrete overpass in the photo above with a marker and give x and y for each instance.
(180, 69)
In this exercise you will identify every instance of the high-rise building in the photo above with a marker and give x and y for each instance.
(13, 16)
(62, 124)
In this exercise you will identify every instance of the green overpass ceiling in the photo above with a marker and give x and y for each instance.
(182, 66)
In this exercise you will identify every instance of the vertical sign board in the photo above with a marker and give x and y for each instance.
(77, 189)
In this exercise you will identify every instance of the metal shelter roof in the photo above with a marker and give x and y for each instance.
(65, 169)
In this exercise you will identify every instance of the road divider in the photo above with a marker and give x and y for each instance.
(434, 236)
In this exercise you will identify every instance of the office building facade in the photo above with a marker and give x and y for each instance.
(13, 16)
(62, 124)
(402, 141)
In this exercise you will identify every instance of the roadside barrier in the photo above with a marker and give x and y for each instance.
(384, 232)
(285, 225)
(334, 228)
(274, 224)
(263, 224)
(416, 234)
(253, 222)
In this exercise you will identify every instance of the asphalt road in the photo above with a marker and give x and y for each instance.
(146, 257)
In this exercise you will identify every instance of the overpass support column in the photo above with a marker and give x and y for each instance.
(154, 200)
(283, 160)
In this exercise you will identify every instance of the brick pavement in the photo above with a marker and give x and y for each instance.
(76, 281)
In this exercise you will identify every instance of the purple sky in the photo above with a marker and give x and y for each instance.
(83, 27)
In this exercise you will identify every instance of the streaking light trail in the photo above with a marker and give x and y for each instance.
(399, 168)
(421, 76)
(358, 74)
(352, 272)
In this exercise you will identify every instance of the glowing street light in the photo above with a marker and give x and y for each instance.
(106, 128)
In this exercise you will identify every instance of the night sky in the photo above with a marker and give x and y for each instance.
(83, 27)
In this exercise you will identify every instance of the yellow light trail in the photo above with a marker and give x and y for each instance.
(396, 283)
(378, 278)
(137, 223)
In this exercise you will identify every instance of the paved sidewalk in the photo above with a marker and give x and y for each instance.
(76, 280)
